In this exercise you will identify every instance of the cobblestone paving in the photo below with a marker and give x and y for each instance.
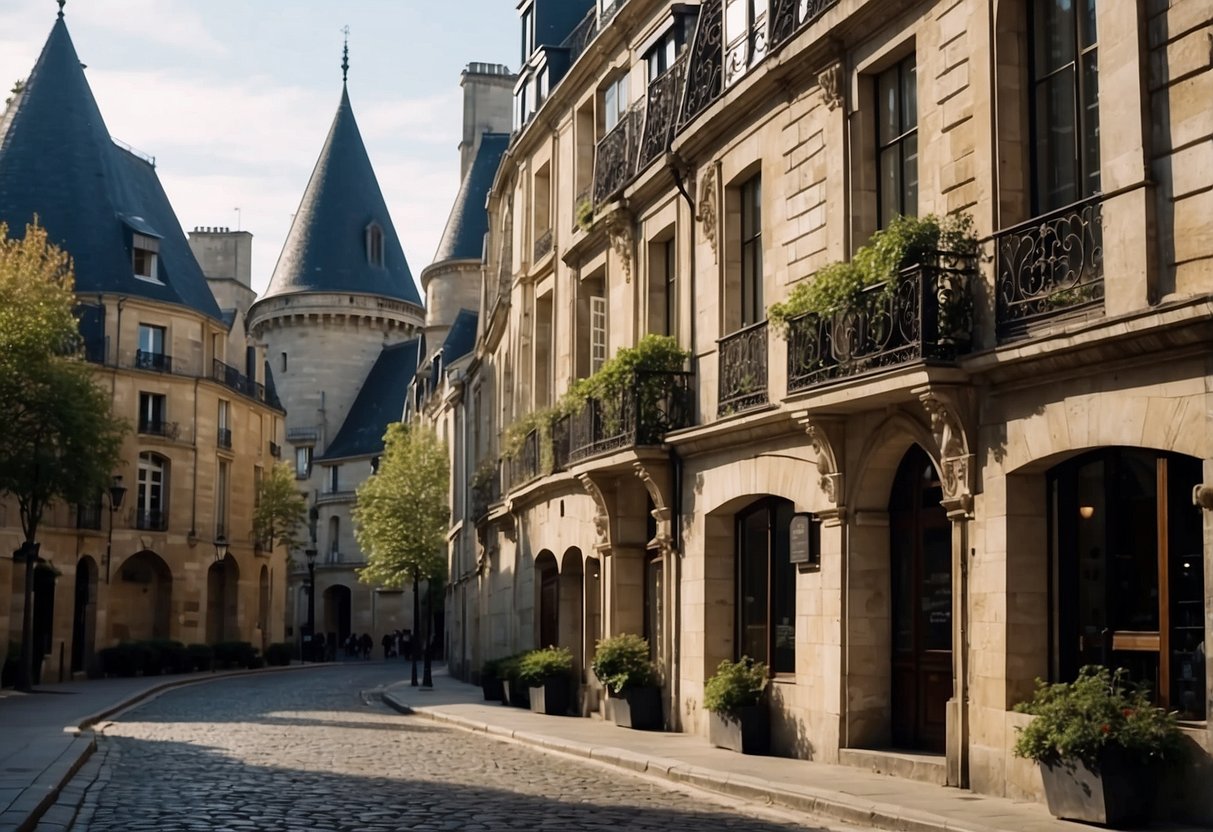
(318, 751)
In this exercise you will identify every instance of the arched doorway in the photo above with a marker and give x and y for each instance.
(141, 599)
(223, 601)
(547, 586)
(337, 611)
(920, 567)
(84, 614)
(572, 601)
(263, 606)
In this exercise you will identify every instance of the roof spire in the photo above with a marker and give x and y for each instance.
(61, 4)
(345, 52)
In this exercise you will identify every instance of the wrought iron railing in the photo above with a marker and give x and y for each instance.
(223, 438)
(150, 520)
(652, 405)
(743, 370)
(561, 439)
(275, 450)
(309, 433)
(153, 361)
(1049, 266)
(523, 466)
(96, 350)
(661, 113)
(704, 67)
(581, 35)
(486, 492)
(615, 156)
(89, 517)
(608, 11)
(543, 245)
(925, 314)
(159, 427)
(227, 375)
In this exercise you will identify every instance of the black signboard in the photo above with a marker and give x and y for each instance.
(805, 539)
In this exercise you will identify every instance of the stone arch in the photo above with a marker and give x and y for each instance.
(547, 599)
(223, 601)
(143, 592)
(742, 481)
(84, 614)
(880, 457)
(335, 615)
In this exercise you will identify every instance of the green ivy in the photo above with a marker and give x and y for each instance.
(585, 214)
(905, 242)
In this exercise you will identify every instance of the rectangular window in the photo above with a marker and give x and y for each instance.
(151, 413)
(1065, 103)
(221, 495)
(615, 102)
(258, 476)
(151, 339)
(752, 308)
(528, 34)
(334, 479)
(654, 607)
(303, 462)
(144, 256)
(671, 288)
(663, 288)
(664, 52)
(766, 586)
(598, 333)
(224, 424)
(897, 141)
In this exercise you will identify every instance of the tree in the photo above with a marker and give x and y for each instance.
(60, 441)
(401, 516)
(281, 511)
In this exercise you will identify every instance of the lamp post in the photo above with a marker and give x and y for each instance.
(116, 493)
(310, 554)
(221, 548)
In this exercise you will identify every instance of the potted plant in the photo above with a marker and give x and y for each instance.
(548, 673)
(622, 664)
(513, 690)
(490, 681)
(1099, 742)
(738, 716)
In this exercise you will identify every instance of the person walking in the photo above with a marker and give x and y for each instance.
(387, 646)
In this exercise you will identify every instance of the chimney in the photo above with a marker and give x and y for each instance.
(488, 98)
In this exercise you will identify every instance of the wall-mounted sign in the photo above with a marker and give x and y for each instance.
(805, 538)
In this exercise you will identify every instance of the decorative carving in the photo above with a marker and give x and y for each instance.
(826, 437)
(602, 518)
(619, 228)
(706, 209)
(664, 538)
(1202, 495)
(830, 81)
(952, 442)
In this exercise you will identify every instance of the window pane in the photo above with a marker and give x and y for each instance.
(1133, 543)
(610, 106)
(1056, 165)
(752, 600)
(1186, 571)
(909, 95)
(888, 119)
(1054, 35)
(890, 184)
(936, 623)
(909, 172)
(1087, 31)
(783, 588)
(1090, 123)
(735, 24)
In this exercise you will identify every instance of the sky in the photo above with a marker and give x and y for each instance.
(234, 98)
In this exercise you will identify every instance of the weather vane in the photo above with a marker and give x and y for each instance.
(345, 53)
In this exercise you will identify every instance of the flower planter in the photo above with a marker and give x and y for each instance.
(492, 687)
(552, 697)
(1119, 792)
(747, 730)
(638, 708)
(517, 694)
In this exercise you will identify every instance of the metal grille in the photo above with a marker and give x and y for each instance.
(743, 370)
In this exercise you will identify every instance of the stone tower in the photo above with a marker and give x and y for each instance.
(336, 320)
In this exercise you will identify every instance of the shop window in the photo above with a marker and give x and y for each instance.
(766, 585)
(1128, 572)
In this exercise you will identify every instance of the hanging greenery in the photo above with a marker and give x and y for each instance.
(905, 242)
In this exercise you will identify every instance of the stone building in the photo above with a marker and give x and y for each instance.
(990, 465)
(174, 556)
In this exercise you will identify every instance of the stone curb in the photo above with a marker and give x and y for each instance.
(806, 799)
(49, 784)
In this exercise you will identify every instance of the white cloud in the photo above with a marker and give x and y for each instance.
(174, 23)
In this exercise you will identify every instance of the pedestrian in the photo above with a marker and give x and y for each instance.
(367, 644)
(387, 646)
(406, 644)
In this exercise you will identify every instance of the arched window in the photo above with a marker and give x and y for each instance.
(151, 507)
(374, 244)
(766, 585)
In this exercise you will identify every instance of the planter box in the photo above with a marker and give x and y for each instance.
(552, 697)
(638, 708)
(1119, 793)
(747, 730)
(517, 694)
(492, 687)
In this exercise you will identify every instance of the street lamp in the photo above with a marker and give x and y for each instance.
(116, 493)
(221, 548)
(310, 554)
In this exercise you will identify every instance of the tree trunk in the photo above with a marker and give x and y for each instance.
(25, 678)
(427, 680)
(416, 622)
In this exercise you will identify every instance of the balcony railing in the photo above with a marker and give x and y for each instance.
(309, 433)
(88, 517)
(524, 465)
(223, 438)
(543, 245)
(1049, 266)
(150, 520)
(96, 350)
(231, 377)
(615, 156)
(927, 314)
(581, 36)
(159, 427)
(275, 450)
(649, 407)
(661, 112)
(561, 443)
(157, 361)
(743, 370)
(486, 492)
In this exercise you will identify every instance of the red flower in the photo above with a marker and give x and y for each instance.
(1106, 728)
(1127, 712)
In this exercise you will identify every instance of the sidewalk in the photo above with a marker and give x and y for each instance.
(828, 791)
(43, 741)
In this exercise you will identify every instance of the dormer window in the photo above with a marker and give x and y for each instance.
(145, 254)
(528, 33)
(374, 244)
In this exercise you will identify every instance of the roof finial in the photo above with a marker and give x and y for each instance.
(61, 4)
(345, 54)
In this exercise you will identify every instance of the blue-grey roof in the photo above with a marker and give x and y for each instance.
(58, 162)
(461, 338)
(326, 249)
(379, 403)
(463, 238)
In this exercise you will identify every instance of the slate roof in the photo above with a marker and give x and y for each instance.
(326, 248)
(463, 238)
(58, 161)
(379, 403)
(461, 338)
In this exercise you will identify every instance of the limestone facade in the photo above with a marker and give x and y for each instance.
(971, 491)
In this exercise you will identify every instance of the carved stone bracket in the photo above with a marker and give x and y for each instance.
(705, 210)
(619, 230)
(826, 435)
(664, 539)
(830, 81)
(602, 518)
(1202, 496)
(949, 409)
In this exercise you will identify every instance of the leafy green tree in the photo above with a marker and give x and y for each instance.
(61, 441)
(401, 516)
(281, 512)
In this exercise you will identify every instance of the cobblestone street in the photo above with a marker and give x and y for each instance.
(319, 751)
